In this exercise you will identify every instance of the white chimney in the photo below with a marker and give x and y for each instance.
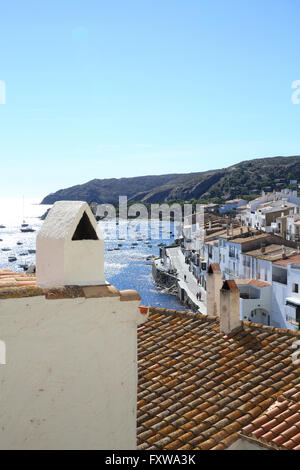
(229, 307)
(213, 286)
(70, 248)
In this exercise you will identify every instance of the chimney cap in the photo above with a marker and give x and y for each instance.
(63, 219)
(230, 284)
(214, 268)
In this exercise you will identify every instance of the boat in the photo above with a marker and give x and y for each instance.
(19, 243)
(12, 258)
(24, 226)
(2, 226)
(31, 251)
(6, 249)
(134, 244)
(26, 229)
(24, 253)
(23, 266)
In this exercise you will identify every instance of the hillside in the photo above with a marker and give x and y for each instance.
(242, 179)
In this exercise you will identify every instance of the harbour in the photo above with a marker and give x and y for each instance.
(128, 262)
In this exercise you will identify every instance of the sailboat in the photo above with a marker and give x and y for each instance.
(25, 227)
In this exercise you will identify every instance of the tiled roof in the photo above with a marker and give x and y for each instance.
(230, 201)
(291, 260)
(273, 252)
(279, 426)
(17, 285)
(236, 232)
(254, 236)
(198, 389)
(252, 282)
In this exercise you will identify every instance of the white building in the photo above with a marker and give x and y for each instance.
(286, 290)
(266, 272)
(262, 213)
(231, 205)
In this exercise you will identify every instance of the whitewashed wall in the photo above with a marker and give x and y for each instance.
(70, 381)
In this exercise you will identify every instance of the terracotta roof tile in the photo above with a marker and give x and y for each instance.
(17, 285)
(212, 386)
(279, 426)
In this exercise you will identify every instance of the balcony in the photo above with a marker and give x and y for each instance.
(249, 293)
(292, 320)
(279, 275)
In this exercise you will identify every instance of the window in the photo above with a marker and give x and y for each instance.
(231, 252)
(296, 288)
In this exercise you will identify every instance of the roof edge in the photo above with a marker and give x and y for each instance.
(275, 329)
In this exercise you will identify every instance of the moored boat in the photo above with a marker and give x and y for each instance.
(26, 229)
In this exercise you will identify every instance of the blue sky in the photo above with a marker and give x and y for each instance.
(100, 89)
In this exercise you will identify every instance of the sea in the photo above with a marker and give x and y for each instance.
(127, 264)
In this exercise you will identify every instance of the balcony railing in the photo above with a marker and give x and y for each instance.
(291, 320)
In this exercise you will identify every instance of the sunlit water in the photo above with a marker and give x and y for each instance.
(125, 268)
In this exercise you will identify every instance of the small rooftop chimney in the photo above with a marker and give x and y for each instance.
(70, 248)
(283, 252)
(229, 307)
(263, 248)
(213, 286)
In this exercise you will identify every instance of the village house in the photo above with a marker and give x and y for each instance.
(262, 267)
(264, 212)
(288, 226)
(249, 256)
(231, 205)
